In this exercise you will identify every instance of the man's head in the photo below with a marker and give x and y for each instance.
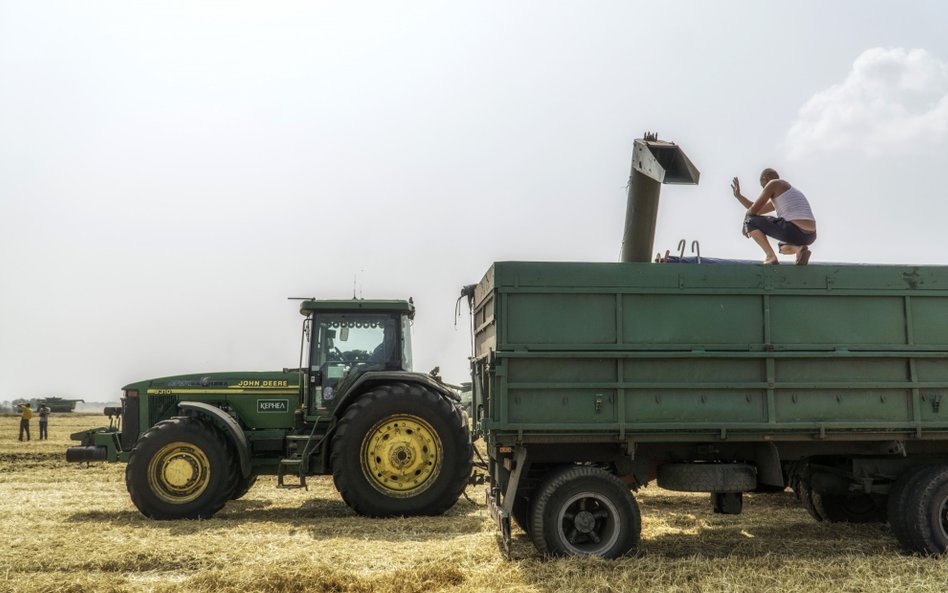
(768, 175)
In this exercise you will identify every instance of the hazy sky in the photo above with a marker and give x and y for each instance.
(171, 172)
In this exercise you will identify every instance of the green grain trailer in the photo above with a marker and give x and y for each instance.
(592, 380)
(396, 442)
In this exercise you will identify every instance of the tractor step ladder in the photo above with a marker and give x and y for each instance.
(300, 462)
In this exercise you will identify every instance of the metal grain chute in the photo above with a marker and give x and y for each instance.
(654, 162)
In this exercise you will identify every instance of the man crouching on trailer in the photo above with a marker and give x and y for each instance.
(794, 226)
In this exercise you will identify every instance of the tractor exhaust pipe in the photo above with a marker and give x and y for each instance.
(654, 162)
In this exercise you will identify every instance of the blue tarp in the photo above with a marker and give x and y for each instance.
(674, 259)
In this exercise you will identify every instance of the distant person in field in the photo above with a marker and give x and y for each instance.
(44, 422)
(26, 412)
(794, 226)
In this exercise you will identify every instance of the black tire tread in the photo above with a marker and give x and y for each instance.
(242, 486)
(459, 469)
(804, 492)
(138, 492)
(904, 485)
(556, 480)
(521, 512)
(918, 511)
(836, 508)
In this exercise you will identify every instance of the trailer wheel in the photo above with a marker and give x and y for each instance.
(850, 508)
(401, 450)
(242, 486)
(904, 485)
(180, 469)
(584, 511)
(804, 493)
(925, 518)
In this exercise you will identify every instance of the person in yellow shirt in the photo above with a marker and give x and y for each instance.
(26, 412)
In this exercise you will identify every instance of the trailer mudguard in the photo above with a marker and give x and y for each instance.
(231, 429)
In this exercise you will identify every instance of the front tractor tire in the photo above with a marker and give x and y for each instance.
(242, 486)
(180, 469)
(401, 450)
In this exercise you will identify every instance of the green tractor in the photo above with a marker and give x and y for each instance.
(397, 443)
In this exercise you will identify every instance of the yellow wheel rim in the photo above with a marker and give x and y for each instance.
(401, 456)
(179, 472)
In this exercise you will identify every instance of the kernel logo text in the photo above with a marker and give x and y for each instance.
(272, 405)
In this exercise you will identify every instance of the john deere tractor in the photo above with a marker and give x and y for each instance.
(396, 442)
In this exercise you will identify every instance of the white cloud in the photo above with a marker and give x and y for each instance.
(892, 101)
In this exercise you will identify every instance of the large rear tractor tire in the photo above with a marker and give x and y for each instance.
(180, 469)
(401, 450)
(584, 511)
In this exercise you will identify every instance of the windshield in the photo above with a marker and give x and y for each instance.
(347, 343)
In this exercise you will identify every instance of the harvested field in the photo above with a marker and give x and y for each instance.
(71, 528)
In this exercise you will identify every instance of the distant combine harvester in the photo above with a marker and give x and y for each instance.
(58, 404)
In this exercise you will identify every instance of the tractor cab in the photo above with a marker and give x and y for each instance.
(348, 339)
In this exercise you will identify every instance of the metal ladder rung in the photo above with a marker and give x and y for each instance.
(281, 473)
(299, 462)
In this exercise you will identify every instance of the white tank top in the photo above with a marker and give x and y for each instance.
(792, 205)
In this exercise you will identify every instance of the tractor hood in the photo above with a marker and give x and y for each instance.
(221, 383)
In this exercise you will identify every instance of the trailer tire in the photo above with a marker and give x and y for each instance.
(925, 519)
(521, 512)
(180, 468)
(805, 495)
(584, 511)
(401, 450)
(904, 485)
(851, 508)
(800, 478)
(794, 481)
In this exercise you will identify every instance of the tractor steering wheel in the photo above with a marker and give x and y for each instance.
(342, 355)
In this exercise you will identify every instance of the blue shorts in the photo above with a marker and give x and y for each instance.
(780, 229)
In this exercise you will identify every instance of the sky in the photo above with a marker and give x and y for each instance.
(172, 172)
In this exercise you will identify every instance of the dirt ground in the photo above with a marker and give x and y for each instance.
(71, 528)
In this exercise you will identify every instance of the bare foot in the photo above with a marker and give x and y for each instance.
(771, 262)
(803, 257)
